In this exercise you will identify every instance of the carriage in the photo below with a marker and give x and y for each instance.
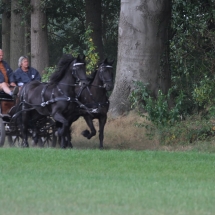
(9, 126)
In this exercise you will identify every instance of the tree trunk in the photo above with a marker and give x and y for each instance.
(17, 34)
(39, 37)
(27, 39)
(142, 50)
(93, 18)
(6, 31)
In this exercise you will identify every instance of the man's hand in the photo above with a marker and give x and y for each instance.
(12, 84)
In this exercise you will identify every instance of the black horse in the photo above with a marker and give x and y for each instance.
(93, 98)
(56, 98)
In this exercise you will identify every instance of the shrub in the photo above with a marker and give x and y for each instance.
(158, 109)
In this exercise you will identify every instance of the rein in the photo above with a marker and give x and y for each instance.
(71, 85)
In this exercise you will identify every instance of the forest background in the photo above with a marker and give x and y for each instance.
(184, 113)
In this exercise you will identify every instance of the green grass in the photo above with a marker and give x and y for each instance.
(61, 182)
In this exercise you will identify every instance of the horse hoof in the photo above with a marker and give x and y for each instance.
(63, 147)
(35, 139)
(85, 133)
(70, 145)
(25, 145)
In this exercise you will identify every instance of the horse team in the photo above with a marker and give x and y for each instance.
(68, 95)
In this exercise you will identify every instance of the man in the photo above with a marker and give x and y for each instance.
(7, 78)
(25, 73)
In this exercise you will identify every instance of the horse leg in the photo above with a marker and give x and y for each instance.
(62, 131)
(90, 124)
(102, 122)
(63, 143)
(69, 138)
(24, 130)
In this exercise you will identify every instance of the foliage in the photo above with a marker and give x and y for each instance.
(47, 73)
(192, 52)
(66, 26)
(191, 130)
(168, 121)
(89, 51)
(92, 56)
(204, 93)
(110, 19)
(157, 109)
(192, 62)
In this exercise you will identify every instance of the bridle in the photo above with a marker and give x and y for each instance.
(101, 75)
(75, 72)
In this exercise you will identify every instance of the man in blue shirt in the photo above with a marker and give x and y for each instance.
(25, 73)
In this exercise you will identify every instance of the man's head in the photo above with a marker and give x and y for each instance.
(1, 55)
(23, 62)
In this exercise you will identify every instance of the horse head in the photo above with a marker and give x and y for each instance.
(79, 70)
(106, 74)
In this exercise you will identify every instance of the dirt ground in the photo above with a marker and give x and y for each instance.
(120, 133)
(123, 134)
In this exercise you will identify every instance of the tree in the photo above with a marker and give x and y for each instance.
(142, 50)
(66, 24)
(39, 37)
(192, 56)
(6, 30)
(27, 26)
(93, 18)
(110, 19)
(17, 34)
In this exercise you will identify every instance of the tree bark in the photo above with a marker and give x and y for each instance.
(27, 39)
(93, 18)
(17, 34)
(39, 37)
(142, 50)
(6, 30)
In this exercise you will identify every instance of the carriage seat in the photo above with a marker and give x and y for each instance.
(6, 102)
(5, 97)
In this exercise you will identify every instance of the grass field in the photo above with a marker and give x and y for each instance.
(53, 181)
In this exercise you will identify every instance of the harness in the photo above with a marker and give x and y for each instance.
(53, 98)
(96, 106)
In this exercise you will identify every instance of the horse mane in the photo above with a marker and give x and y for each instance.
(35, 83)
(61, 68)
(92, 76)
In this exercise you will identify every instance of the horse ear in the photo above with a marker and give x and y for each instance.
(111, 62)
(79, 58)
(105, 61)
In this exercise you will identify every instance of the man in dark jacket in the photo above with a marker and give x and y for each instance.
(7, 78)
(25, 73)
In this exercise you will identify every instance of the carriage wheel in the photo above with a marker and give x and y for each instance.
(49, 140)
(38, 144)
(2, 133)
(14, 140)
(48, 137)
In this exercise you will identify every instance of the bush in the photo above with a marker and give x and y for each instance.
(167, 122)
(158, 109)
(47, 73)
